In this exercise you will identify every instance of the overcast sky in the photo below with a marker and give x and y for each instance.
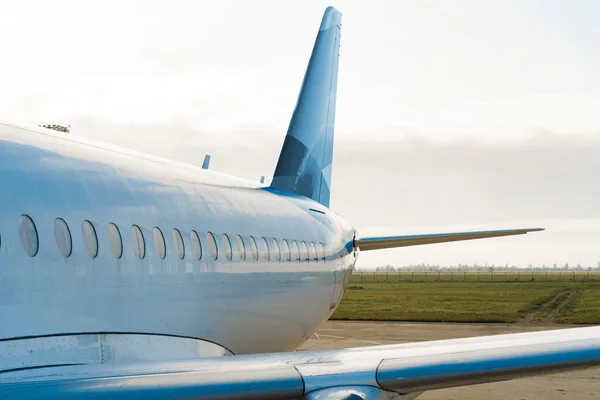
(450, 116)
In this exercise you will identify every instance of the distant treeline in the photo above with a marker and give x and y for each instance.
(479, 268)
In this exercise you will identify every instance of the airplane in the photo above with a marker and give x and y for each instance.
(128, 275)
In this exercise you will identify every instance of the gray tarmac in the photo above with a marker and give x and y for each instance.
(584, 384)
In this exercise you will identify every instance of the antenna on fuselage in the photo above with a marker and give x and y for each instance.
(206, 162)
(262, 179)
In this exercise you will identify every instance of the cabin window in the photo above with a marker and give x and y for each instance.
(265, 249)
(240, 247)
(296, 250)
(322, 251)
(62, 234)
(196, 246)
(139, 244)
(212, 245)
(115, 241)
(90, 239)
(276, 251)
(29, 235)
(159, 242)
(305, 255)
(178, 243)
(227, 246)
(286, 250)
(313, 252)
(253, 248)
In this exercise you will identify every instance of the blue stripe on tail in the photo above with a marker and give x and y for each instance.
(304, 165)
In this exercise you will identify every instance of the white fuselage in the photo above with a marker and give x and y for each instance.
(244, 306)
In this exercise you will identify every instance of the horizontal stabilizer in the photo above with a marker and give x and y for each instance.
(386, 242)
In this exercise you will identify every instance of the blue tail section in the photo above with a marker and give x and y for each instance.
(304, 165)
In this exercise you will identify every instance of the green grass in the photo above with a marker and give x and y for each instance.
(584, 308)
(465, 301)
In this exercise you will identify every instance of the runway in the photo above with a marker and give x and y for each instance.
(579, 385)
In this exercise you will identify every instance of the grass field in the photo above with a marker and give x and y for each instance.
(531, 302)
(583, 309)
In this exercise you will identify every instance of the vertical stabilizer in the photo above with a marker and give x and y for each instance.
(304, 165)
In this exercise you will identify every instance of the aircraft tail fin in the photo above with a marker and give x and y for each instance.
(304, 165)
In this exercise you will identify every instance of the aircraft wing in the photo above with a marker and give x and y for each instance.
(378, 372)
(376, 243)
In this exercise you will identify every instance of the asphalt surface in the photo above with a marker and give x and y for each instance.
(578, 385)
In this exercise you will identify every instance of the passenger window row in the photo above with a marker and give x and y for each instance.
(269, 249)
